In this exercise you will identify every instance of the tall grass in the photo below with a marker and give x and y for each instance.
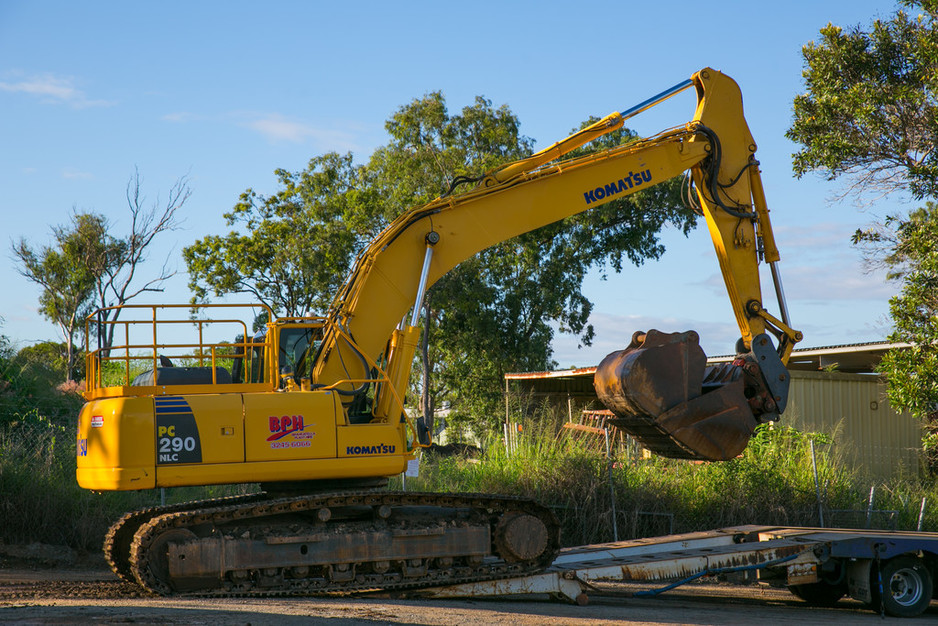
(40, 500)
(771, 483)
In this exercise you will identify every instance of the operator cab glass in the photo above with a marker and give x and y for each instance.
(294, 348)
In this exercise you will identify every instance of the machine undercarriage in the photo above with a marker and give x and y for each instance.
(331, 543)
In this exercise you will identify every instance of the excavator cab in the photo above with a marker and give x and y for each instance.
(297, 340)
(247, 362)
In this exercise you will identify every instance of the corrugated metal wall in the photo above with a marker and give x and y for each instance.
(879, 442)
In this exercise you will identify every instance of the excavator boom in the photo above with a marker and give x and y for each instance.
(716, 147)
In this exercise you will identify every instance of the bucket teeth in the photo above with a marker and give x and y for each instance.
(655, 387)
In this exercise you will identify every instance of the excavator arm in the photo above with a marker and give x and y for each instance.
(367, 329)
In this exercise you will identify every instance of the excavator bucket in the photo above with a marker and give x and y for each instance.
(664, 394)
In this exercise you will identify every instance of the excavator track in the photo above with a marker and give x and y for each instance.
(337, 543)
(120, 535)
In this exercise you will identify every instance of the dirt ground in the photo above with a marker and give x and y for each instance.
(52, 590)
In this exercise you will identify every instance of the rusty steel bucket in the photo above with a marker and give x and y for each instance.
(656, 389)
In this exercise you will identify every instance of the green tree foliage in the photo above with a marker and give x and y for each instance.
(871, 112)
(490, 315)
(66, 273)
(298, 243)
(31, 384)
(86, 266)
(46, 361)
(494, 313)
(429, 149)
(913, 372)
(871, 106)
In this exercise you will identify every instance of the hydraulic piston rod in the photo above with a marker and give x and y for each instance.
(780, 292)
(661, 97)
(433, 238)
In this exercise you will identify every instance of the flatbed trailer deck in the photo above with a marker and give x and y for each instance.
(891, 571)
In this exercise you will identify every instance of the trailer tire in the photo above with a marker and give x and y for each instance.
(907, 587)
(821, 593)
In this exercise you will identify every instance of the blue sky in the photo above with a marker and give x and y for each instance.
(227, 92)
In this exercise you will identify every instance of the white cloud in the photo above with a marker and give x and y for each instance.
(825, 235)
(835, 331)
(836, 281)
(73, 173)
(52, 89)
(826, 282)
(276, 128)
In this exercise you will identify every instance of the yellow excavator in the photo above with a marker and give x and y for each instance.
(312, 408)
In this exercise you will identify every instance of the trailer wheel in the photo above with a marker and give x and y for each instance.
(820, 593)
(907, 587)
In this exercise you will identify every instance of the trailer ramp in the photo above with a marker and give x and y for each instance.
(652, 559)
(793, 555)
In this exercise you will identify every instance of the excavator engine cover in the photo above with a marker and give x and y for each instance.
(655, 387)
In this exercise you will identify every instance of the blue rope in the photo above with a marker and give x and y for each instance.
(712, 572)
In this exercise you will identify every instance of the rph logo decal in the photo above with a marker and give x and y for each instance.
(292, 425)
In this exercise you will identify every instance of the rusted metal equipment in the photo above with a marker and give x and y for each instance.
(336, 542)
(891, 571)
(664, 394)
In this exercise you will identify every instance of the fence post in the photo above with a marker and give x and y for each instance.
(507, 414)
(817, 487)
(921, 514)
(612, 487)
(869, 507)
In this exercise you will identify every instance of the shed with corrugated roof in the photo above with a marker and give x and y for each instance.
(834, 390)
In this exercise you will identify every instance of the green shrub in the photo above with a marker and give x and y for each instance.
(40, 499)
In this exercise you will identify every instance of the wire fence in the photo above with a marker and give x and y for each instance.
(633, 522)
(810, 490)
(37, 420)
(879, 511)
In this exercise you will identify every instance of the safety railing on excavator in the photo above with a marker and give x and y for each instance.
(132, 355)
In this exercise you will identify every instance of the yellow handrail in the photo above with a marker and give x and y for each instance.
(152, 350)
